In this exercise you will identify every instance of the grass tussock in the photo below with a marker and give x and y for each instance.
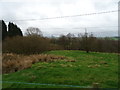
(14, 62)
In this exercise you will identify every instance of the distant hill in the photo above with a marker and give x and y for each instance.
(111, 38)
(106, 34)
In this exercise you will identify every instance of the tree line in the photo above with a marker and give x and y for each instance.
(86, 43)
(35, 42)
(13, 30)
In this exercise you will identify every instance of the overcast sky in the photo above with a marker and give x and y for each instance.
(37, 9)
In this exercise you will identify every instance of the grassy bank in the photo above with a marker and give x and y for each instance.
(88, 68)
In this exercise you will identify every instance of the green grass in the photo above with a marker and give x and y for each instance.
(87, 69)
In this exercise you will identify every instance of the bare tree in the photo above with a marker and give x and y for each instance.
(33, 31)
(86, 41)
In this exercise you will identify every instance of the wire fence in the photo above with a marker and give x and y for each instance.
(76, 86)
(86, 14)
(55, 30)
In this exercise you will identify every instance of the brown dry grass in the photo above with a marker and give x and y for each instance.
(14, 62)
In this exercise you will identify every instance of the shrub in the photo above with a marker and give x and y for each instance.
(55, 47)
(26, 45)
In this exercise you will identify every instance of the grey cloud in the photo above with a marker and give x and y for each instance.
(29, 9)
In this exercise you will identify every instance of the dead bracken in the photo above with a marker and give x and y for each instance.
(14, 62)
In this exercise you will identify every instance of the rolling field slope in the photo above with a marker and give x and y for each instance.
(82, 69)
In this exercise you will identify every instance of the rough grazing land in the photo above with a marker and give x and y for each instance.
(81, 69)
(14, 62)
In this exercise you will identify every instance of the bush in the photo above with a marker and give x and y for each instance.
(26, 45)
(55, 47)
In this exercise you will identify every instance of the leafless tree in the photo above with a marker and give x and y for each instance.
(33, 31)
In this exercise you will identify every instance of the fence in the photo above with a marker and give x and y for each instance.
(74, 86)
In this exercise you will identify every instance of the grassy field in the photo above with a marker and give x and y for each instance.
(87, 69)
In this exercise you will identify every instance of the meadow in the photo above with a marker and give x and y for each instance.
(79, 70)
